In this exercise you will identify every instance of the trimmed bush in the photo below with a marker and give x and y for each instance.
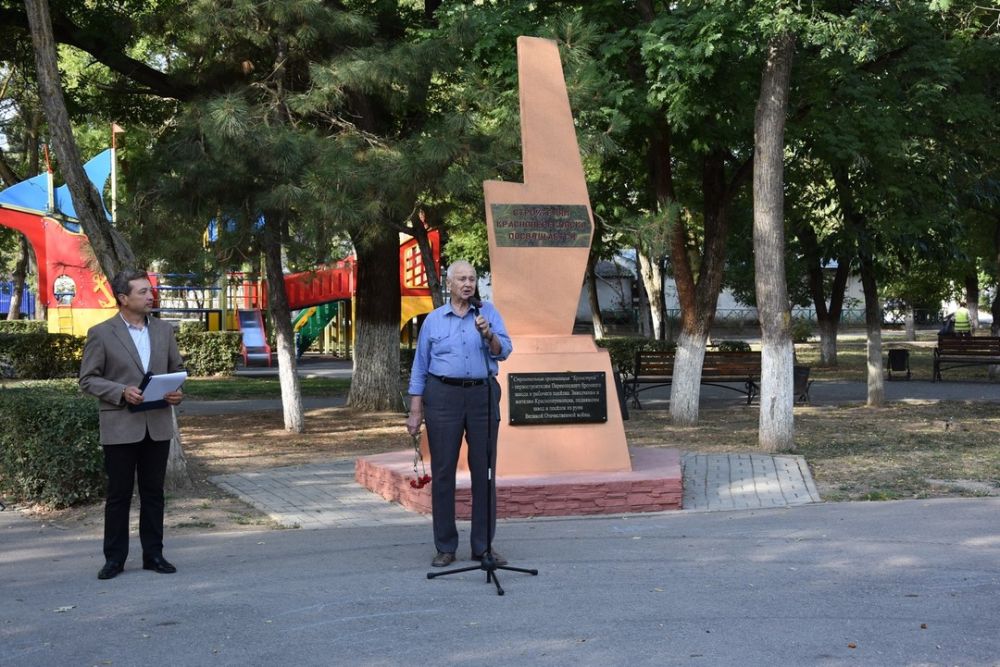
(208, 352)
(50, 450)
(734, 346)
(40, 356)
(802, 329)
(24, 326)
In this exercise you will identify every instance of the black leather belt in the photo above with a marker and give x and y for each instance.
(459, 382)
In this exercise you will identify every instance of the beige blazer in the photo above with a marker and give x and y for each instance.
(111, 363)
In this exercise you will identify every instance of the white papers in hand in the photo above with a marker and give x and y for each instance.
(161, 385)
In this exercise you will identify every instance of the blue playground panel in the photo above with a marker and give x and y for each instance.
(27, 299)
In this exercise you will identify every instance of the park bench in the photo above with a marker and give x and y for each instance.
(720, 369)
(958, 351)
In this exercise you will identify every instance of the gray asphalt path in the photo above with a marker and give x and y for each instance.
(893, 583)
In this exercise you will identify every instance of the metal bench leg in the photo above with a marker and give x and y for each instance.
(751, 391)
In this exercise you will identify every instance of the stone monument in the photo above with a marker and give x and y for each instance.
(561, 448)
(559, 410)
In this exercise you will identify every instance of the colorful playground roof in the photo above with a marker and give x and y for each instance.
(32, 194)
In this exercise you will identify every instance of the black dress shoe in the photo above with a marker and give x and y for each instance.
(110, 570)
(443, 559)
(497, 558)
(158, 564)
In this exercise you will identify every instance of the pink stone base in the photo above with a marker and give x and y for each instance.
(654, 484)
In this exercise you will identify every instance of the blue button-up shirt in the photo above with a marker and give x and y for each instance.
(451, 346)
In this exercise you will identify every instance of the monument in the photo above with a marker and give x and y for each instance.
(562, 447)
(539, 233)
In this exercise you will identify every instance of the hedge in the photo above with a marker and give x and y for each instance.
(50, 449)
(24, 326)
(208, 352)
(39, 356)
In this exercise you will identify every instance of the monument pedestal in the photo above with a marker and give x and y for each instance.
(653, 484)
(541, 449)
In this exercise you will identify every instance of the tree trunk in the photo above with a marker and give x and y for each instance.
(827, 341)
(20, 275)
(375, 384)
(777, 399)
(595, 304)
(873, 306)
(972, 297)
(110, 248)
(419, 232)
(281, 320)
(873, 327)
(994, 371)
(177, 473)
(699, 295)
(827, 317)
(685, 390)
(643, 313)
(652, 282)
(910, 324)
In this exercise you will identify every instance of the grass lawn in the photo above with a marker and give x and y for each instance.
(211, 389)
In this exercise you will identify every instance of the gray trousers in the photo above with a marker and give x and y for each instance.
(450, 413)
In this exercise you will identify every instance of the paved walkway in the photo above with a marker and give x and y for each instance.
(325, 495)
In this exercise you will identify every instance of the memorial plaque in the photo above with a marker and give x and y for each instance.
(541, 226)
(557, 398)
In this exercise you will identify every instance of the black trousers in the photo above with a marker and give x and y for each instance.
(452, 413)
(147, 461)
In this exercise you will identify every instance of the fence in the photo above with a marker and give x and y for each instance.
(27, 299)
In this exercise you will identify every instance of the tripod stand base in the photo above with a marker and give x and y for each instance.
(488, 565)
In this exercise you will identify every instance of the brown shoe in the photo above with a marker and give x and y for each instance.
(443, 559)
(497, 558)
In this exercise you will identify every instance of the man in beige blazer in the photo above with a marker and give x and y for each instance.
(117, 355)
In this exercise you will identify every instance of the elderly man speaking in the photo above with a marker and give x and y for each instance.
(454, 391)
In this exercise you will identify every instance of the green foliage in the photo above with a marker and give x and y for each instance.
(208, 352)
(802, 329)
(622, 350)
(39, 356)
(23, 326)
(733, 346)
(50, 445)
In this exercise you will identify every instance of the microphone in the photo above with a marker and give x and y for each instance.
(476, 303)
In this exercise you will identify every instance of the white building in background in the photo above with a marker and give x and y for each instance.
(618, 295)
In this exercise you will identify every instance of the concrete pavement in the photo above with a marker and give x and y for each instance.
(880, 584)
(890, 583)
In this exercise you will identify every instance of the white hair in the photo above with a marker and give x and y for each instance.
(457, 263)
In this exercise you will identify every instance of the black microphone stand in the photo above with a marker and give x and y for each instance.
(488, 562)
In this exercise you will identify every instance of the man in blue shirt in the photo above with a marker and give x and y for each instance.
(454, 391)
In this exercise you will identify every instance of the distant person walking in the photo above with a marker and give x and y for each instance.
(117, 355)
(963, 320)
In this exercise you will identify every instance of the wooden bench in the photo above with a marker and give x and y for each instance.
(958, 351)
(720, 369)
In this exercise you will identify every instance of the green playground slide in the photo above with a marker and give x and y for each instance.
(310, 323)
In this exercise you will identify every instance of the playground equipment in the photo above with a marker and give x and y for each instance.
(255, 347)
(78, 297)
